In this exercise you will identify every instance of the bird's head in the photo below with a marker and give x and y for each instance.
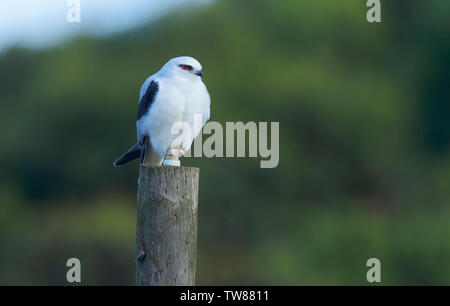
(183, 67)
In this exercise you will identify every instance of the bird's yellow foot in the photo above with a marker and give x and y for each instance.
(181, 151)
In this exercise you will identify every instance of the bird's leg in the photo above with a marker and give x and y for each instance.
(172, 157)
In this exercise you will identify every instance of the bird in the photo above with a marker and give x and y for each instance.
(175, 94)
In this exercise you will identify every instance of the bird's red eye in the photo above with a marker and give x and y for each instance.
(185, 67)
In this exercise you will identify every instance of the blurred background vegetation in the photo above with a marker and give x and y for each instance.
(364, 140)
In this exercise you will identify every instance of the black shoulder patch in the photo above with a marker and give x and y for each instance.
(147, 99)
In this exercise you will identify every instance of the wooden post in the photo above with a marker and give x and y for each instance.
(166, 232)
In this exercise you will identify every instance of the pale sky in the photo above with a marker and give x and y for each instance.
(41, 23)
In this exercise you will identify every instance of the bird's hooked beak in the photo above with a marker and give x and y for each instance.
(199, 73)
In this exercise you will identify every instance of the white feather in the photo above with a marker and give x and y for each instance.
(181, 96)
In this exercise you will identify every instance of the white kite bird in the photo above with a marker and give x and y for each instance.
(173, 99)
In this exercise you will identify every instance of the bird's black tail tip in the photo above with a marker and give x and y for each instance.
(133, 153)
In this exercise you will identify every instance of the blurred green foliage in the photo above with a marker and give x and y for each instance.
(364, 140)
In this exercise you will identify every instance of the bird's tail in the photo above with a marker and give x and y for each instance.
(133, 153)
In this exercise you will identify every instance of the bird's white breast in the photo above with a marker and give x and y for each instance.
(175, 102)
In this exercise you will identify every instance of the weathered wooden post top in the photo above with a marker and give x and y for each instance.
(166, 232)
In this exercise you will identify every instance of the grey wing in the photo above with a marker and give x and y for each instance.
(147, 97)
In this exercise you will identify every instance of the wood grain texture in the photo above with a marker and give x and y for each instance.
(166, 232)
